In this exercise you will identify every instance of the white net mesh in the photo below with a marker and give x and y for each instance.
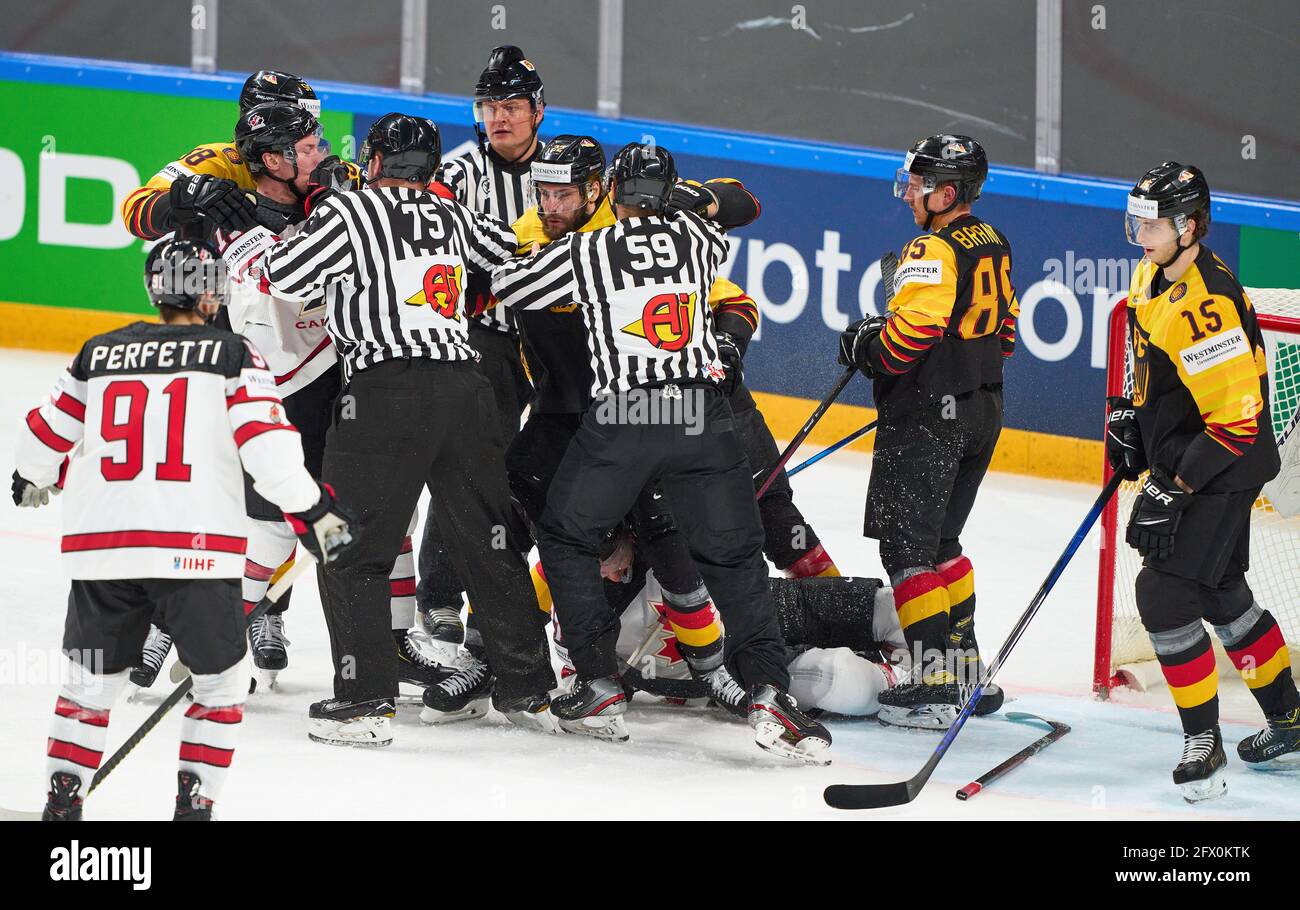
(1274, 574)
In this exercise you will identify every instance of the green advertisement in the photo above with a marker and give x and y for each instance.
(68, 157)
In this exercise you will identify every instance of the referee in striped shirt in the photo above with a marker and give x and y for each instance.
(390, 261)
(494, 179)
(642, 286)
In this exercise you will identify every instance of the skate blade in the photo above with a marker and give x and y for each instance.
(1287, 761)
(262, 680)
(811, 750)
(610, 729)
(1199, 791)
(475, 709)
(365, 738)
(922, 719)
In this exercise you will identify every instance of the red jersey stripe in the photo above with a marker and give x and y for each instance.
(171, 540)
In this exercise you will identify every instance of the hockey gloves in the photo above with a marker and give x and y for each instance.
(729, 352)
(28, 495)
(1123, 439)
(217, 199)
(1156, 515)
(855, 343)
(330, 176)
(687, 197)
(323, 529)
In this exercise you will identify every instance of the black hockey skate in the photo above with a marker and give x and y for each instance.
(931, 704)
(351, 723)
(532, 712)
(593, 707)
(437, 637)
(63, 802)
(463, 695)
(968, 666)
(190, 806)
(267, 641)
(413, 667)
(782, 729)
(1200, 771)
(156, 648)
(1279, 741)
(726, 693)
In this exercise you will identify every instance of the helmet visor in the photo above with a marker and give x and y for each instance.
(905, 180)
(510, 110)
(559, 198)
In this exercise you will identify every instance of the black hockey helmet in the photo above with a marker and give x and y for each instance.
(642, 176)
(945, 158)
(569, 160)
(274, 85)
(1170, 190)
(181, 272)
(276, 126)
(411, 147)
(509, 74)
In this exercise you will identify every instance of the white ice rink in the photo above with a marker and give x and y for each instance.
(681, 763)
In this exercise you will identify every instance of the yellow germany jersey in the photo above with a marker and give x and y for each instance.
(952, 318)
(1200, 377)
(144, 210)
(554, 340)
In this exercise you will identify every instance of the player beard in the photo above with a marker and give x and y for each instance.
(556, 226)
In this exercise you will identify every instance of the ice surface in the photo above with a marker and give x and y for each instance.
(681, 762)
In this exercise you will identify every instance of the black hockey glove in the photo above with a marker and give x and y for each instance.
(729, 353)
(688, 198)
(29, 495)
(217, 199)
(855, 343)
(1124, 439)
(324, 528)
(1156, 515)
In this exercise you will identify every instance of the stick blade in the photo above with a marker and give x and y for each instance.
(868, 796)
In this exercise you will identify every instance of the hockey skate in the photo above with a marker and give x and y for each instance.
(593, 707)
(437, 637)
(351, 723)
(726, 693)
(782, 729)
(268, 643)
(1276, 746)
(1200, 771)
(463, 695)
(531, 712)
(190, 806)
(969, 667)
(931, 704)
(413, 667)
(156, 648)
(63, 802)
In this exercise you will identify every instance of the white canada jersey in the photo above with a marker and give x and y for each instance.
(390, 263)
(154, 426)
(485, 183)
(642, 286)
(291, 335)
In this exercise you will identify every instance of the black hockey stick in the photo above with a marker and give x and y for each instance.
(1057, 731)
(877, 796)
(806, 429)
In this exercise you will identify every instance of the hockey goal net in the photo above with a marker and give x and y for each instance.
(1123, 654)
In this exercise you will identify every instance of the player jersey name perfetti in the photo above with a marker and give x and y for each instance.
(152, 356)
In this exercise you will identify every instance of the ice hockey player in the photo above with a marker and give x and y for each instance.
(509, 106)
(1199, 421)
(390, 262)
(843, 631)
(936, 365)
(649, 274)
(159, 423)
(167, 202)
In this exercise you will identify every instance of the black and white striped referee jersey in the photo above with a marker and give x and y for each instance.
(391, 264)
(488, 184)
(642, 286)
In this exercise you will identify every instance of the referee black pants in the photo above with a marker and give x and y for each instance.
(398, 426)
(705, 476)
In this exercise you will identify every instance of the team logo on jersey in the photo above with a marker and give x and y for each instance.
(309, 306)
(276, 414)
(441, 290)
(1178, 291)
(232, 154)
(1141, 368)
(666, 321)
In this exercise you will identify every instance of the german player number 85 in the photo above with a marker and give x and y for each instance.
(981, 317)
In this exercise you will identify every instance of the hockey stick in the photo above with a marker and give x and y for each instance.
(1058, 730)
(274, 594)
(806, 429)
(852, 437)
(876, 796)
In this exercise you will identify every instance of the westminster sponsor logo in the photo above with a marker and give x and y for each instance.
(1212, 351)
(75, 863)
